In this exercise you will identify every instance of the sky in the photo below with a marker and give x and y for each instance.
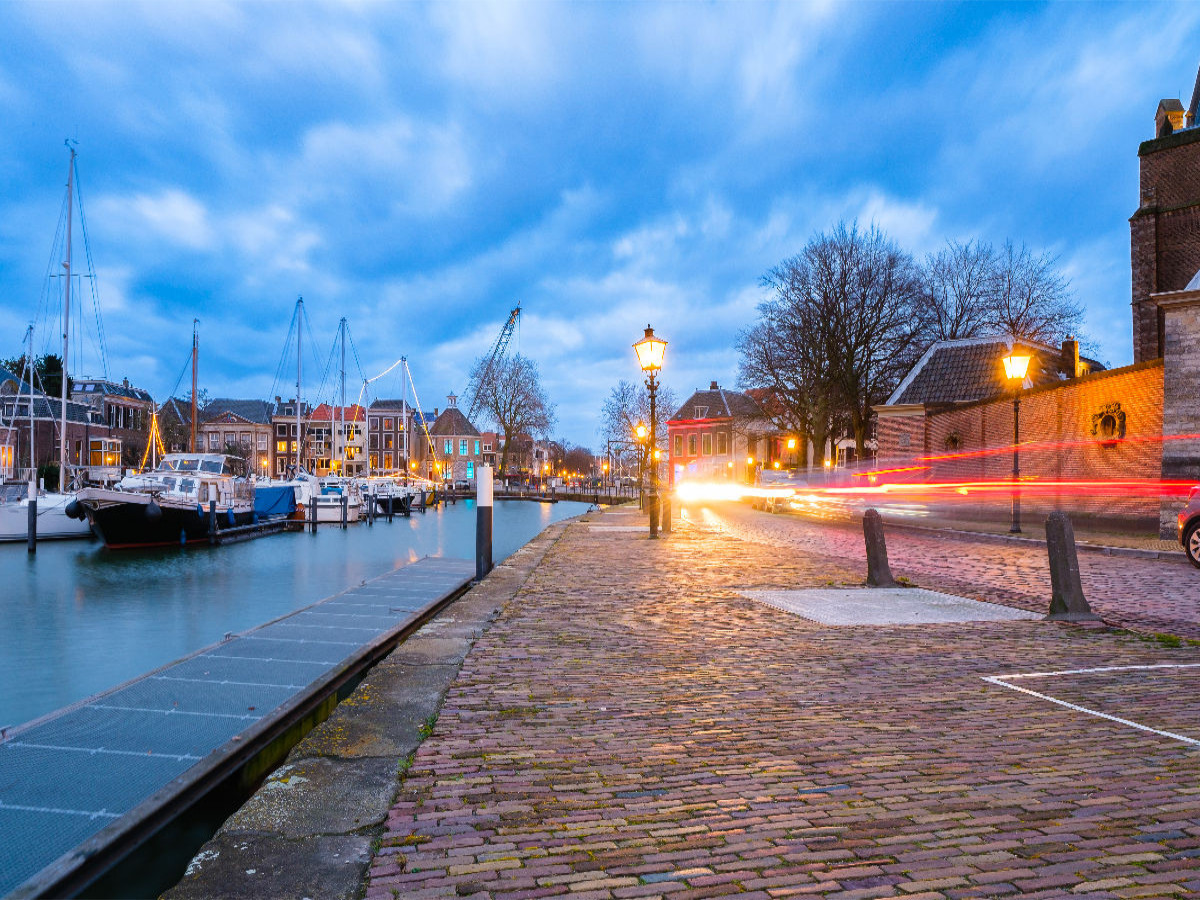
(420, 169)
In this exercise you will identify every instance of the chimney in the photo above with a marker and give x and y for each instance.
(1168, 118)
(1069, 360)
(713, 386)
(435, 412)
(451, 400)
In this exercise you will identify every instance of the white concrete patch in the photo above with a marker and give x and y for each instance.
(885, 606)
(1002, 681)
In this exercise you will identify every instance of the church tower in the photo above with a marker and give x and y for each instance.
(1165, 230)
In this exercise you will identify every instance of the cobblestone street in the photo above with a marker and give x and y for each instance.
(632, 726)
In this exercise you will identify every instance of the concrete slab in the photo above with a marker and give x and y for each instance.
(885, 606)
(319, 868)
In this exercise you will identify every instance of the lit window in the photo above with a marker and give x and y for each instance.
(447, 446)
(707, 445)
(462, 447)
(679, 445)
(722, 443)
(691, 445)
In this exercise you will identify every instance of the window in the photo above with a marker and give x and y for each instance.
(707, 445)
(477, 448)
(487, 448)
(462, 447)
(470, 469)
(244, 438)
(388, 441)
(387, 461)
(214, 440)
(262, 442)
(281, 446)
(691, 445)
(448, 446)
(281, 430)
(701, 412)
(679, 445)
(374, 440)
(722, 443)
(389, 424)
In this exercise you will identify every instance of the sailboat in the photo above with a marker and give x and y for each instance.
(58, 515)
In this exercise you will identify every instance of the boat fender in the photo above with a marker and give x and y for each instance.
(229, 515)
(200, 510)
(182, 537)
(74, 510)
(153, 511)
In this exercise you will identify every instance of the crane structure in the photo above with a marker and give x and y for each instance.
(481, 382)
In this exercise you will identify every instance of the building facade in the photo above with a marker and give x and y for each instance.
(718, 434)
(123, 408)
(457, 446)
(241, 428)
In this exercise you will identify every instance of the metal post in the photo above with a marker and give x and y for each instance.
(483, 522)
(345, 508)
(312, 512)
(1016, 473)
(32, 520)
(652, 383)
(370, 509)
(212, 522)
(666, 512)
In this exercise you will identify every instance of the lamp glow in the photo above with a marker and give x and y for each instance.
(1016, 365)
(650, 351)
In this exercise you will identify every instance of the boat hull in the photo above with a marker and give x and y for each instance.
(53, 523)
(127, 521)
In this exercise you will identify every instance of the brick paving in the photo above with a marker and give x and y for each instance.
(631, 726)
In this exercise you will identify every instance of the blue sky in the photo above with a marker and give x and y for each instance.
(421, 168)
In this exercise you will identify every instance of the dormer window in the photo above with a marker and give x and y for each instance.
(701, 412)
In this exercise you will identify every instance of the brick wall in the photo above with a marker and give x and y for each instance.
(1164, 232)
(1057, 421)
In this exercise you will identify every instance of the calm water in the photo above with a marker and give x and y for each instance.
(76, 618)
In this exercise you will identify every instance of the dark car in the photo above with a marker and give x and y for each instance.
(1189, 527)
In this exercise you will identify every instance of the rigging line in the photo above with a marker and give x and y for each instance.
(417, 403)
(87, 253)
(182, 372)
(43, 314)
(388, 369)
(287, 346)
(312, 343)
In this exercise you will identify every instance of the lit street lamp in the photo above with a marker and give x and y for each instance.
(1015, 366)
(650, 351)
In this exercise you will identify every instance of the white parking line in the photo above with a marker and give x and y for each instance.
(1002, 681)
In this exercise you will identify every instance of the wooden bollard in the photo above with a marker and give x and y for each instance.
(212, 521)
(1067, 603)
(879, 574)
(483, 521)
(31, 520)
(665, 504)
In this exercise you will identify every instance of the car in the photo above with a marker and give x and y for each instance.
(1189, 527)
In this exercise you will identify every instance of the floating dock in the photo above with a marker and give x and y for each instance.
(84, 786)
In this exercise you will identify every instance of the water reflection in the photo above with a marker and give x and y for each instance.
(76, 618)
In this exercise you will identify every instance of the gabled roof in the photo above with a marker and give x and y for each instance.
(399, 405)
(453, 422)
(48, 409)
(18, 385)
(717, 403)
(971, 369)
(177, 408)
(253, 412)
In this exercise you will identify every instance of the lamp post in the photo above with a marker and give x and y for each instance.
(650, 351)
(1015, 366)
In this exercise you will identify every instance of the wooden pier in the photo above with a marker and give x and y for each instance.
(83, 787)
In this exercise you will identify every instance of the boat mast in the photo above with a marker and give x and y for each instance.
(342, 411)
(299, 332)
(66, 319)
(404, 416)
(32, 419)
(195, 358)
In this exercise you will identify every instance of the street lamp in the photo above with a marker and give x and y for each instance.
(1015, 366)
(650, 351)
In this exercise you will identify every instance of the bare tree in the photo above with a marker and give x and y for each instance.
(1032, 299)
(958, 288)
(514, 401)
(627, 405)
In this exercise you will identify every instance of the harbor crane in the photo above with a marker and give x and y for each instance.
(484, 379)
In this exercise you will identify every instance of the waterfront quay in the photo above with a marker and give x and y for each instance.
(626, 717)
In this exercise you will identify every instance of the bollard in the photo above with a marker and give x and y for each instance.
(1067, 603)
(212, 522)
(666, 513)
(312, 512)
(345, 509)
(423, 501)
(483, 522)
(879, 574)
(32, 521)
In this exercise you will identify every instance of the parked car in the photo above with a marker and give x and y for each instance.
(1189, 527)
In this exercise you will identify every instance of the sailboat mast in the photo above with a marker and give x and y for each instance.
(195, 357)
(66, 320)
(342, 411)
(299, 332)
(33, 466)
(404, 423)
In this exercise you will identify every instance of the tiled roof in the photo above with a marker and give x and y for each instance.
(327, 413)
(257, 412)
(453, 422)
(390, 404)
(973, 369)
(111, 388)
(717, 404)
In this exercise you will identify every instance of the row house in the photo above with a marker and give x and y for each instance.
(289, 424)
(336, 440)
(241, 428)
(457, 446)
(394, 440)
(124, 409)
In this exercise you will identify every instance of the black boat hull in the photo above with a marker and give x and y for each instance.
(124, 525)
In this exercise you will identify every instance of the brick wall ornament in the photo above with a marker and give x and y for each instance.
(1109, 424)
(953, 440)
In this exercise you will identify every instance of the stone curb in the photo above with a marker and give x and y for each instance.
(309, 829)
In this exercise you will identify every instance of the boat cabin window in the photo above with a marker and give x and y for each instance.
(187, 485)
(211, 465)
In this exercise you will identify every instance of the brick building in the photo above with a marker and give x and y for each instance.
(719, 434)
(457, 446)
(241, 428)
(125, 409)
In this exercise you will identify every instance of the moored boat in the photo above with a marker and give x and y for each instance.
(53, 523)
(182, 501)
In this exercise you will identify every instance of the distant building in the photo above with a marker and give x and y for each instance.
(337, 438)
(125, 409)
(290, 448)
(457, 446)
(392, 445)
(85, 431)
(241, 428)
(718, 434)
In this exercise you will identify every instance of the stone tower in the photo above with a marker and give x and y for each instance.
(1165, 230)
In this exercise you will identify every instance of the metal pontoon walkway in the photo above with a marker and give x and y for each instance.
(103, 772)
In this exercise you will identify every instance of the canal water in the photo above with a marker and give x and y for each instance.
(76, 618)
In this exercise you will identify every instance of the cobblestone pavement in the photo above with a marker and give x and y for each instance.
(631, 726)
(1149, 595)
